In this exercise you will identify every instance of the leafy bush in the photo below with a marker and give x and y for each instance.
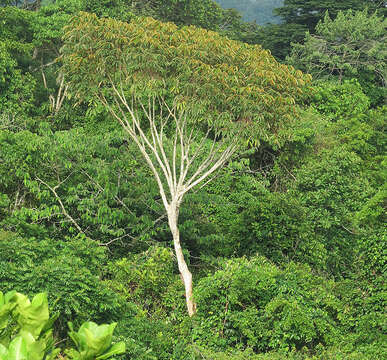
(100, 184)
(149, 280)
(332, 190)
(354, 124)
(252, 303)
(155, 325)
(239, 215)
(150, 338)
(340, 100)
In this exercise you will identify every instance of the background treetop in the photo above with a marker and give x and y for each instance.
(213, 77)
(351, 45)
(309, 12)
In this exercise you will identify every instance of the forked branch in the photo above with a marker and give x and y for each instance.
(178, 164)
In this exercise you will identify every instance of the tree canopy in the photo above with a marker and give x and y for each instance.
(353, 45)
(222, 80)
(347, 45)
(309, 12)
(300, 16)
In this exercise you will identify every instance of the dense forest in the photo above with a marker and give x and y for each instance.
(178, 183)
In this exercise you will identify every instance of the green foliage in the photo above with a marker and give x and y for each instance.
(16, 28)
(278, 38)
(338, 101)
(238, 215)
(332, 190)
(255, 304)
(16, 88)
(152, 338)
(81, 216)
(216, 79)
(353, 44)
(202, 13)
(154, 328)
(93, 190)
(362, 314)
(354, 124)
(300, 16)
(117, 9)
(309, 12)
(25, 328)
(69, 271)
(94, 342)
(148, 279)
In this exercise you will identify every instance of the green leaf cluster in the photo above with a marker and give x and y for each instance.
(346, 46)
(25, 328)
(252, 303)
(94, 342)
(70, 272)
(26, 332)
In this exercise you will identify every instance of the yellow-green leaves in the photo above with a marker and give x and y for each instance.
(30, 336)
(219, 79)
(32, 316)
(25, 328)
(94, 342)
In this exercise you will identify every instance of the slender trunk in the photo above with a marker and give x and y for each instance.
(183, 268)
(340, 75)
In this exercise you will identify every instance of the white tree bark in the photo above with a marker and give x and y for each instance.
(175, 172)
(183, 268)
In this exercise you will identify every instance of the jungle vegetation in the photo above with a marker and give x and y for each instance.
(177, 183)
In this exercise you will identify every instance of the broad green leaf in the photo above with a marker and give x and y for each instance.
(94, 341)
(116, 349)
(3, 352)
(17, 349)
(33, 316)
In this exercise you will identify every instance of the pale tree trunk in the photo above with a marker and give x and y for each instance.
(183, 268)
(178, 172)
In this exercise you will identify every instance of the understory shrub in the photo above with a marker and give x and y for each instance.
(252, 303)
(69, 271)
(150, 280)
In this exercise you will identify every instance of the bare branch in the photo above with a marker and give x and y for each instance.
(65, 213)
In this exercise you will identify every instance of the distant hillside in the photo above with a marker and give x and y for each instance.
(260, 11)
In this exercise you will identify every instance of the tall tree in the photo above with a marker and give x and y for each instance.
(300, 16)
(352, 45)
(309, 12)
(206, 82)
